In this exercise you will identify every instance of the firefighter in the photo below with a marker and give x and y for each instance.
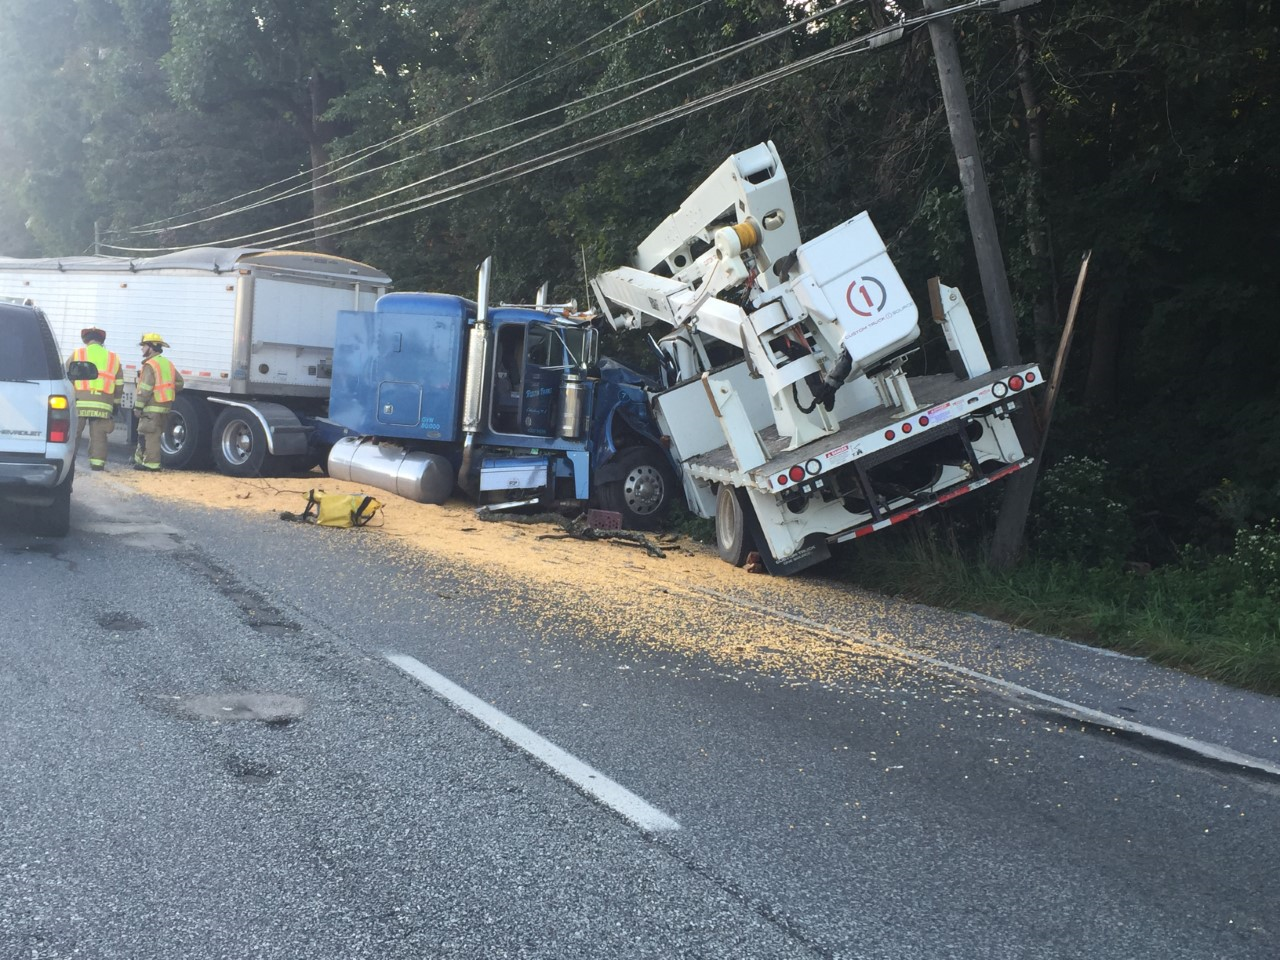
(158, 383)
(97, 400)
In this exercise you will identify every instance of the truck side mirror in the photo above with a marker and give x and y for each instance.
(591, 348)
(82, 370)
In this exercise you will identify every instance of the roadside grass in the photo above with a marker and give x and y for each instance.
(1198, 614)
(1214, 616)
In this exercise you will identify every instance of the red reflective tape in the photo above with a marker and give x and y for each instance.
(909, 512)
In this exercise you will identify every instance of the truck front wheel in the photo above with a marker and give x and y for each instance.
(733, 543)
(239, 444)
(642, 490)
(187, 429)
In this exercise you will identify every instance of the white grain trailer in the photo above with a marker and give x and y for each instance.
(250, 330)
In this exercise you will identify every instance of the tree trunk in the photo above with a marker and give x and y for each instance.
(319, 133)
(1045, 314)
(1007, 541)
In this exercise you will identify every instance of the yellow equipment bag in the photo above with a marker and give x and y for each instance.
(340, 509)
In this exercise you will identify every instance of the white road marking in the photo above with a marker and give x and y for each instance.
(1200, 747)
(586, 778)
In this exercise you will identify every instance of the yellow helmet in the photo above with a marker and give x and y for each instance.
(152, 340)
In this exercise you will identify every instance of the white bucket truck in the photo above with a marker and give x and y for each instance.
(811, 432)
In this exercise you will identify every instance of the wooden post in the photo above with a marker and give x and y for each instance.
(977, 199)
(1006, 542)
(1064, 347)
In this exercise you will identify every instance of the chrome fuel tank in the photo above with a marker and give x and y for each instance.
(413, 474)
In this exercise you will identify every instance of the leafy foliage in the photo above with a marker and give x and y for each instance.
(1078, 517)
(1257, 558)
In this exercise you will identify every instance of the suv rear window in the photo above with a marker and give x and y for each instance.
(29, 350)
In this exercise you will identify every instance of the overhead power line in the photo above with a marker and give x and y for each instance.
(692, 65)
(306, 180)
(282, 236)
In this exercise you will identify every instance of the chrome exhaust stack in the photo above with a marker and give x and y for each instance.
(473, 389)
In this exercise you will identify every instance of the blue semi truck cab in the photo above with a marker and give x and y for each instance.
(511, 403)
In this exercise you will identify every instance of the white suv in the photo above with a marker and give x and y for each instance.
(37, 420)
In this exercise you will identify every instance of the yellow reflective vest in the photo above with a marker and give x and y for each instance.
(156, 393)
(100, 397)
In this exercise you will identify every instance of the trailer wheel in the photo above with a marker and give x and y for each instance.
(185, 441)
(239, 444)
(733, 543)
(643, 489)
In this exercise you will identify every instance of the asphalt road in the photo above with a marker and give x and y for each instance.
(207, 752)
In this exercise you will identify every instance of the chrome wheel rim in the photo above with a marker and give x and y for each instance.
(642, 490)
(237, 442)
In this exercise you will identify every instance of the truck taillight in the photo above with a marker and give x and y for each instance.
(811, 468)
(1016, 383)
(59, 419)
(1031, 376)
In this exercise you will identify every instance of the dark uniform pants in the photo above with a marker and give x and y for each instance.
(150, 427)
(99, 428)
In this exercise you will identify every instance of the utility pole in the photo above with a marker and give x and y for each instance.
(1006, 543)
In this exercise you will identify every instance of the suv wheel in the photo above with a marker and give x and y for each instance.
(55, 519)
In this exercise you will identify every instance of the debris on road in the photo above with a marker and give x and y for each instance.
(577, 528)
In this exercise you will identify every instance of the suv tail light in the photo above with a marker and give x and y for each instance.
(59, 419)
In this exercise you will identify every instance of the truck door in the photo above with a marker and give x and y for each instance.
(508, 378)
(538, 374)
(541, 386)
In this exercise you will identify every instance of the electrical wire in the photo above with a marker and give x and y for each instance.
(278, 237)
(706, 60)
(514, 171)
(306, 189)
(317, 177)
(710, 60)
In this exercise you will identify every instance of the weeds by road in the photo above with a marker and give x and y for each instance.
(1207, 615)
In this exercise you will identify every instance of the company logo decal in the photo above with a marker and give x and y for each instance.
(866, 296)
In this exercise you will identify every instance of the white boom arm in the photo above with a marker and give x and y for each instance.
(809, 303)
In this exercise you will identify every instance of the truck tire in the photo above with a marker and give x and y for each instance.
(733, 542)
(185, 442)
(239, 444)
(55, 519)
(643, 490)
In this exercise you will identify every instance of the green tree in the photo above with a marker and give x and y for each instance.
(43, 79)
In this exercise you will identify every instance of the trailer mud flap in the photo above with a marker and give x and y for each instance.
(814, 550)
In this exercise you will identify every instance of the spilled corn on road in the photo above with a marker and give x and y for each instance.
(446, 737)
